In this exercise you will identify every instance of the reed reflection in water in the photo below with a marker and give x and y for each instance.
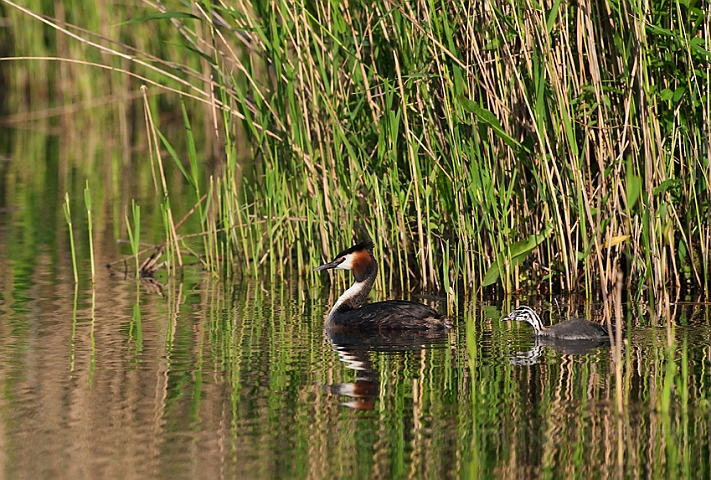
(220, 380)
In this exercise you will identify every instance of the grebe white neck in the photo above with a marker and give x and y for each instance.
(352, 297)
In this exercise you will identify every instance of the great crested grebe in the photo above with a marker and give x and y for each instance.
(347, 313)
(574, 329)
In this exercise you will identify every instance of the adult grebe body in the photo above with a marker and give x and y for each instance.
(574, 329)
(348, 313)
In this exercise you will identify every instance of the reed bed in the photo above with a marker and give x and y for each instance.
(478, 143)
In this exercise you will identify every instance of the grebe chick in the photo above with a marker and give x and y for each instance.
(348, 313)
(574, 329)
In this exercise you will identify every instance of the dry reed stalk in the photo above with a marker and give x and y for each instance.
(565, 127)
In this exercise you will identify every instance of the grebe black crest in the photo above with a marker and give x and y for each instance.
(348, 313)
(574, 329)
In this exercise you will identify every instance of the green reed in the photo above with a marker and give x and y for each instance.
(68, 217)
(134, 234)
(87, 202)
(580, 133)
(457, 166)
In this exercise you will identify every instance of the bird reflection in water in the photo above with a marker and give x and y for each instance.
(355, 350)
(567, 347)
(576, 336)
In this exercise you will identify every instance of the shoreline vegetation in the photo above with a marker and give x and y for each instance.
(488, 144)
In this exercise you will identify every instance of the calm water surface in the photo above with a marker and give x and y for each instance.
(211, 379)
(197, 378)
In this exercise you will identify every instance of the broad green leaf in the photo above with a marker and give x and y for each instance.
(550, 21)
(492, 275)
(160, 16)
(517, 253)
(176, 157)
(678, 93)
(633, 187)
(666, 185)
(488, 118)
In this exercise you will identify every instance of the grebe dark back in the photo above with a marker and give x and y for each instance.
(348, 313)
(574, 329)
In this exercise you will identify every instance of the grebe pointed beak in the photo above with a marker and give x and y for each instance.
(328, 265)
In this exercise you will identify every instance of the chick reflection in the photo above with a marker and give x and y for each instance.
(355, 350)
(568, 347)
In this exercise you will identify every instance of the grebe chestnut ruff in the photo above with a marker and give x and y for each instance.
(574, 329)
(348, 313)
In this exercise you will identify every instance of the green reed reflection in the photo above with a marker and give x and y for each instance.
(241, 375)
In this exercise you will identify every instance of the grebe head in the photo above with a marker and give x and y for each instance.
(348, 312)
(526, 314)
(358, 259)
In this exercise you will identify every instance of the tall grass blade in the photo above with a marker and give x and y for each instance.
(68, 217)
(87, 202)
